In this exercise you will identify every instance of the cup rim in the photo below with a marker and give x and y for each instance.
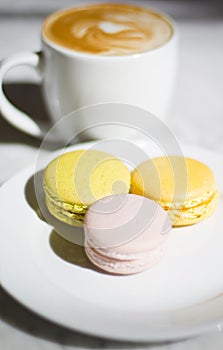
(85, 55)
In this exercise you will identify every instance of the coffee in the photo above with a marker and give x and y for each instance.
(108, 29)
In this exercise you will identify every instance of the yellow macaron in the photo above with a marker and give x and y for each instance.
(75, 180)
(185, 187)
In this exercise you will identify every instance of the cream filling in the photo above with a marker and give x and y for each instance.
(193, 213)
(111, 254)
(72, 208)
(64, 215)
(188, 204)
(121, 265)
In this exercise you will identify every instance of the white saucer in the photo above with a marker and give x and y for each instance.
(180, 297)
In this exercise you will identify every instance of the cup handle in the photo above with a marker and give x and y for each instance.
(12, 114)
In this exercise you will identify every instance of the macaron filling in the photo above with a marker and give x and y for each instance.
(71, 207)
(119, 255)
(125, 265)
(64, 215)
(188, 204)
(195, 214)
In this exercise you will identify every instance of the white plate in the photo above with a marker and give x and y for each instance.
(181, 296)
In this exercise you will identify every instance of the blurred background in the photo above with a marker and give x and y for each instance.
(197, 108)
(180, 8)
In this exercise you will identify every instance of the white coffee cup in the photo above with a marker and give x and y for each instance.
(71, 80)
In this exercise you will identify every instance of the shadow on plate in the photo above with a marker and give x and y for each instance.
(70, 252)
(30, 194)
(35, 197)
(66, 241)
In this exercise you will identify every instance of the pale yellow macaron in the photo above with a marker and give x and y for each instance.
(75, 180)
(184, 187)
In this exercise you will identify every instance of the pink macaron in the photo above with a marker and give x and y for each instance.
(125, 233)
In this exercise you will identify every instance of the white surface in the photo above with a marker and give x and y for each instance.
(196, 116)
(197, 108)
(151, 303)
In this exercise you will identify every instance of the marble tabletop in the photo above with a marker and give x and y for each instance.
(196, 117)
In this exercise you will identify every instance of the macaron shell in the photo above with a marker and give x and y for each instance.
(82, 177)
(173, 179)
(126, 224)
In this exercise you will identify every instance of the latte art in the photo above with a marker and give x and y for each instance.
(108, 29)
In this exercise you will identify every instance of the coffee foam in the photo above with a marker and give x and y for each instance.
(108, 29)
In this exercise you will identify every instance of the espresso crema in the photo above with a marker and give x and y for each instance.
(108, 29)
